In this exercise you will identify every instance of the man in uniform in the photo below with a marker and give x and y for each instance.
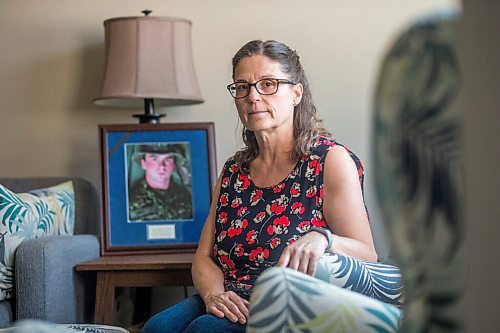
(158, 196)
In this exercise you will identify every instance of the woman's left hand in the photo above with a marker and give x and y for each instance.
(303, 254)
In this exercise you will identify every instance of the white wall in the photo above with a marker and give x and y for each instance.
(51, 62)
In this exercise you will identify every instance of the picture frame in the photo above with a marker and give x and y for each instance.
(156, 186)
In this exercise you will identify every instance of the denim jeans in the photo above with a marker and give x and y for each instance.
(190, 316)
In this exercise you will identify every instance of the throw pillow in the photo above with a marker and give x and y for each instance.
(42, 212)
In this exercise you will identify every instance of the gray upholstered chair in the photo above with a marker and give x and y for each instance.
(46, 284)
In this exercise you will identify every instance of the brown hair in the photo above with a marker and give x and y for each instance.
(305, 124)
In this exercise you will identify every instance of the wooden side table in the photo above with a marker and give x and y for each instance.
(135, 271)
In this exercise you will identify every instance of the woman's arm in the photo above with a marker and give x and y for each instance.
(208, 278)
(344, 209)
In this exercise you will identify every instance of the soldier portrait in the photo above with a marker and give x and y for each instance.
(159, 182)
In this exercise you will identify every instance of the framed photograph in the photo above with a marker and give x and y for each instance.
(157, 182)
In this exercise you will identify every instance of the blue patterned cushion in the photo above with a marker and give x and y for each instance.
(43, 212)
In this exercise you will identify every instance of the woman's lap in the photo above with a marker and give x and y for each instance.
(189, 316)
(326, 300)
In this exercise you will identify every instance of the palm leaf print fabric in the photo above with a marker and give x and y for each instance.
(379, 281)
(43, 212)
(418, 169)
(284, 300)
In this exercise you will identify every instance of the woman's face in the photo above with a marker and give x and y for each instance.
(260, 113)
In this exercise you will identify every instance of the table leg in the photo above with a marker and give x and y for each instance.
(105, 298)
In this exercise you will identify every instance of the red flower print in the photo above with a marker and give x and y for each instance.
(316, 166)
(255, 197)
(232, 231)
(236, 202)
(236, 227)
(329, 143)
(282, 221)
(234, 168)
(222, 218)
(259, 254)
(311, 191)
(225, 182)
(313, 168)
(241, 183)
(226, 262)
(224, 199)
(270, 229)
(239, 250)
(278, 206)
(318, 223)
(279, 226)
(251, 236)
(319, 199)
(242, 211)
(275, 242)
(232, 273)
(295, 190)
(278, 188)
(221, 236)
(259, 217)
(297, 208)
(293, 239)
(303, 226)
(243, 278)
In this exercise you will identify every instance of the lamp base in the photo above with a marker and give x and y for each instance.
(149, 116)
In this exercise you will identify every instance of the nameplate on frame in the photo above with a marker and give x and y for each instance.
(165, 231)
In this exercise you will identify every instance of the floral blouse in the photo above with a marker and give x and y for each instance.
(254, 224)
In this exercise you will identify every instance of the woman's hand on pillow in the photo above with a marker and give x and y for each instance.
(303, 254)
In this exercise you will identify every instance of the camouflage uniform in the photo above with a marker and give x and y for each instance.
(146, 203)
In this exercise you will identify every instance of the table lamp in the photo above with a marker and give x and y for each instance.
(148, 58)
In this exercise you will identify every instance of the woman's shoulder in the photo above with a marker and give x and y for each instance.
(322, 145)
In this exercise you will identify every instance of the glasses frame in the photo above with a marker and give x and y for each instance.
(250, 85)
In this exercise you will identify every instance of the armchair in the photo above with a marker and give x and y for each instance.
(46, 284)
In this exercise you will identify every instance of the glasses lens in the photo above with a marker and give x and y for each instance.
(239, 89)
(267, 86)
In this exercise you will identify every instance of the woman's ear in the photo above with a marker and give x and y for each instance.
(298, 89)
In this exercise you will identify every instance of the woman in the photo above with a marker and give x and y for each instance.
(276, 201)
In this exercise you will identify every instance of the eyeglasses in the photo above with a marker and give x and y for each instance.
(263, 87)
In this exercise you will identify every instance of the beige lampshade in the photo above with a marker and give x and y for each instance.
(148, 57)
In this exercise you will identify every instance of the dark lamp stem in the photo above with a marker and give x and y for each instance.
(149, 116)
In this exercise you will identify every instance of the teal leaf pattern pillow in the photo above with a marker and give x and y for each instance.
(284, 300)
(43, 212)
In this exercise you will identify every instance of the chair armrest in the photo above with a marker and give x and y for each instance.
(47, 285)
